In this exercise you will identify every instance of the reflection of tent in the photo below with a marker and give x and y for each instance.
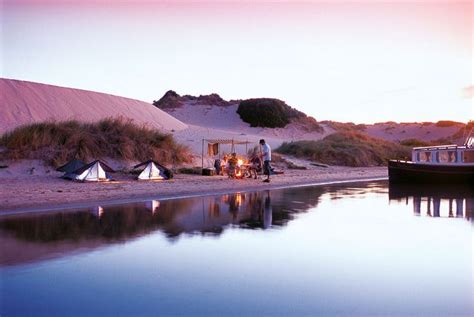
(153, 170)
(92, 172)
(71, 166)
(153, 205)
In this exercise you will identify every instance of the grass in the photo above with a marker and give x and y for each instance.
(345, 126)
(117, 138)
(347, 149)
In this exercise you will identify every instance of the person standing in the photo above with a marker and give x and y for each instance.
(266, 157)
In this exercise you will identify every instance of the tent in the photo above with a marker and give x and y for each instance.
(153, 170)
(93, 172)
(71, 166)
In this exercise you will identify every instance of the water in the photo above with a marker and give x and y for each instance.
(353, 250)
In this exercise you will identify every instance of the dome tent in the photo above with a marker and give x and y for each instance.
(153, 170)
(93, 172)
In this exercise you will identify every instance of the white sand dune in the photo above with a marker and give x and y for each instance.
(403, 131)
(23, 102)
(217, 122)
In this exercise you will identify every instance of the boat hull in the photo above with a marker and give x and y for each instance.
(409, 172)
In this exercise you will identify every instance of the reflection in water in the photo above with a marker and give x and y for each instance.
(436, 201)
(47, 235)
(352, 255)
(69, 231)
(80, 230)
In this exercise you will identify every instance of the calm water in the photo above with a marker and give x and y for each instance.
(353, 250)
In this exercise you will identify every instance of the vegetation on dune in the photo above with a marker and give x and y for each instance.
(345, 126)
(272, 113)
(415, 142)
(448, 123)
(117, 138)
(347, 149)
(172, 100)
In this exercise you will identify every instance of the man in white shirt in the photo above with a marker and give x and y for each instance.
(266, 157)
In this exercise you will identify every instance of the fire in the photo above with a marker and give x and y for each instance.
(238, 173)
(240, 162)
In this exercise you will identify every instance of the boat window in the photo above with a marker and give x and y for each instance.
(468, 157)
(447, 156)
(425, 156)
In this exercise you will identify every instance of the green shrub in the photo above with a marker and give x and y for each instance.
(347, 149)
(118, 138)
(271, 113)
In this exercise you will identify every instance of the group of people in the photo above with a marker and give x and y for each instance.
(257, 162)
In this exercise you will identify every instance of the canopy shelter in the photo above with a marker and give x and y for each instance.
(93, 172)
(71, 166)
(214, 147)
(153, 170)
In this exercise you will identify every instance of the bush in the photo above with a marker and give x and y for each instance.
(118, 138)
(345, 126)
(268, 113)
(447, 124)
(347, 149)
(415, 143)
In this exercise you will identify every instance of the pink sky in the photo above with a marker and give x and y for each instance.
(344, 60)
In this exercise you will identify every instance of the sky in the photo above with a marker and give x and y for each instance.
(357, 61)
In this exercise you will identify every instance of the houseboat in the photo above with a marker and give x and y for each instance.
(436, 164)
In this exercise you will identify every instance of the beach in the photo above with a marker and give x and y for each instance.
(44, 190)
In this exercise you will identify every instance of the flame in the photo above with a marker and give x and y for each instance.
(240, 162)
(238, 199)
(238, 173)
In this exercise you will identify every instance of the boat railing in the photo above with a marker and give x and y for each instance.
(443, 154)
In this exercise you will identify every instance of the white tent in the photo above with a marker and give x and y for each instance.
(92, 172)
(152, 170)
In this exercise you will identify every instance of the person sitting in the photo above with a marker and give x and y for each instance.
(218, 166)
(232, 165)
(255, 166)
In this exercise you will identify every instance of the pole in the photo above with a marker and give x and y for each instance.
(202, 156)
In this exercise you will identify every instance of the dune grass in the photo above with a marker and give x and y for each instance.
(115, 138)
(347, 149)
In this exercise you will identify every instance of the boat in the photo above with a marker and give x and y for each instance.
(436, 164)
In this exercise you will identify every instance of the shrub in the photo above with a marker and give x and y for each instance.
(271, 113)
(117, 138)
(347, 149)
(447, 123)
(345, 126)
(415, 142)
(170, 100)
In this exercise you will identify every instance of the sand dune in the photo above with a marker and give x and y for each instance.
(402, 131)
(23, 102)
(213, 122)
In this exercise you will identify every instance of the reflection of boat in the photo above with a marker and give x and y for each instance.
(436, 164)
(435, 200)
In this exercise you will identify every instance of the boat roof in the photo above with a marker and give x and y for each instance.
(441, 147)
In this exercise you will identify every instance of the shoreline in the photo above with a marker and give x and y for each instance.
(36, 194)
(179, 196)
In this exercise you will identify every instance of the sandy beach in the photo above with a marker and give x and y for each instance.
(45, 191)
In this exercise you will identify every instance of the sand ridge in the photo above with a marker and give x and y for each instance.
(23, 102)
